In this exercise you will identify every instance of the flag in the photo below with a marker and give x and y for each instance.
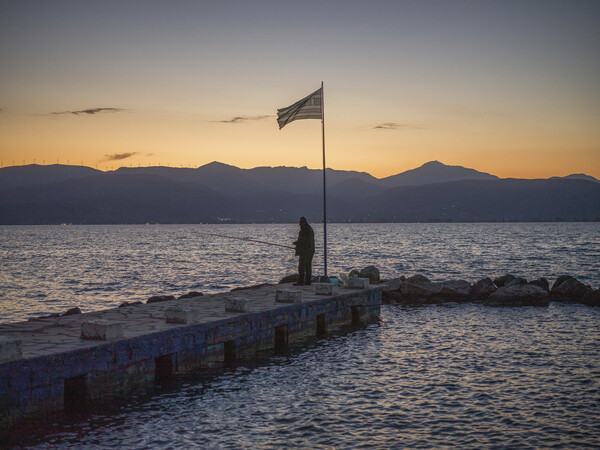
(307, 108)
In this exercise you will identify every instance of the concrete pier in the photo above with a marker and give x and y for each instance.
(61, 362)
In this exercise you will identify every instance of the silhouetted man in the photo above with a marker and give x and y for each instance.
(305, 249)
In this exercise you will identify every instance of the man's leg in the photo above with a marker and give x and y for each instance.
(308, 269)
(301, 270)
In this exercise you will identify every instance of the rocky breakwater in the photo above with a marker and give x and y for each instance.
(507, 290)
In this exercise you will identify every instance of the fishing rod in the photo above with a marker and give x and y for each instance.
(246, 239)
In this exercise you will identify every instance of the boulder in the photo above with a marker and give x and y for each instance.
(418, 278)
(160, 298)
(289, 279)
(483, 289)
(71, 312)
(354, 273)
(519, 295)
(390, 291)
(124, 304)
(391, 285)
(570, 290)
(541, 282)
(370, 272)
(516, 281)
(421, 293)
(591, 298)
(256, 286)
(392, 298)
(456, 291)
(191, 294)
(501, 281)
(560, 280)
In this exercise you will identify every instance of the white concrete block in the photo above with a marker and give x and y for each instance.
(326, 289)
(182, 315)
(103, 330)
(358, 283)
(288, 296)
(10, 349)
(236, 304)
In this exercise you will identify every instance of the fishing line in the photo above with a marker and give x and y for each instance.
(246, 239)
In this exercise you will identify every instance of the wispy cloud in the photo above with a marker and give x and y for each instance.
(240, 119)
(119, 156)
(90, 111)
(397, 126)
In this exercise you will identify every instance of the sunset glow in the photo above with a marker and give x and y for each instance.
(508, 88)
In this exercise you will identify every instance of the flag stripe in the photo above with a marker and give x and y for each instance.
(307, 108)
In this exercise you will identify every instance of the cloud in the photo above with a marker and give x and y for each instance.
(397, 126)
(90, 111)
(119, 156)
(240, 119)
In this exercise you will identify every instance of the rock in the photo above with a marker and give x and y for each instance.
(354, 273)
(501, 281)
(391, 285)
(289, 279)
(370, 272)
(456, 291)
(421, 293)
(418, 278)
(392, 298)
(560, 280)
(482, 289)
(191, 294)
(124, 304)
(49, 316)
(516, 281)
(541, 282)
(519, 295)
(160, 298)
(256, 286)
(570, 290)
(390, 291)
(71, 312)
(591, 298)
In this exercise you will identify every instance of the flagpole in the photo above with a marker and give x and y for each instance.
(324, 182)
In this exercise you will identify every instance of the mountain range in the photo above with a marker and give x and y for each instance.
(217, 193)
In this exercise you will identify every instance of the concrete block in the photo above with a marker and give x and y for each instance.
(236, 304)
(358, 283)
(102, 330)
(326, 289)
(10, 349)
(288, 296)
(182, 315)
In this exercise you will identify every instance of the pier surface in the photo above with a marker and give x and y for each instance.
(58, 369)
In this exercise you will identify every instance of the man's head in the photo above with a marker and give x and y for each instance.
(303, 222)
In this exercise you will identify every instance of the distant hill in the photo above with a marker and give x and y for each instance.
(114, 198)
(434, 172)
(577, 176)
(37, 174)
(488, 201)
(219, 193)
(232, 180)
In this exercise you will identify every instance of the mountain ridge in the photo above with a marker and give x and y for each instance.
(219, 193)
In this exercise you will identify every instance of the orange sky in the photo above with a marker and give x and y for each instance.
(510, 89)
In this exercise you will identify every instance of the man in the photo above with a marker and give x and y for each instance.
(305, 249)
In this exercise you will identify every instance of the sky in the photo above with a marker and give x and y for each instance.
(510, 88)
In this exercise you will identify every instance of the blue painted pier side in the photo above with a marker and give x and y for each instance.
(51, 364)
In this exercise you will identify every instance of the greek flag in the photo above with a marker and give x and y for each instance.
(307, 108)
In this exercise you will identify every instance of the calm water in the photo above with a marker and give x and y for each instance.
(453, 375)
(47, 269)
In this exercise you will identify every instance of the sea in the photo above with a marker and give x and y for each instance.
(452, 375)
